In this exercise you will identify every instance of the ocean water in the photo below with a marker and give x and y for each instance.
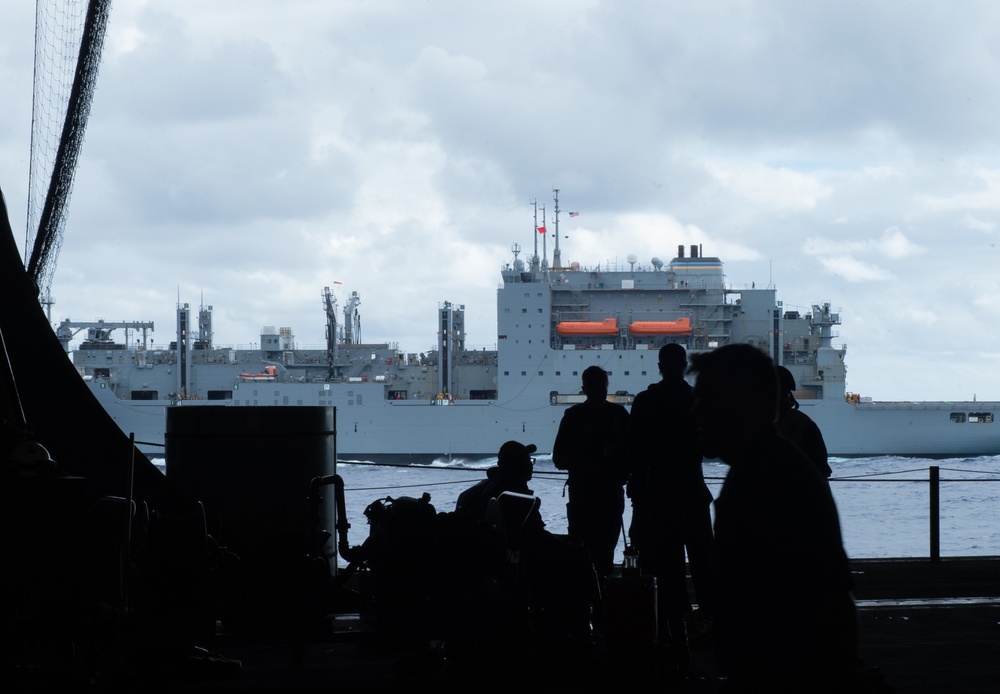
(883, 502)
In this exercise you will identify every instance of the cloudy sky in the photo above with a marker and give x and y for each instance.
(245, 154)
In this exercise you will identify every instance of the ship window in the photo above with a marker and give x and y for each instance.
(524, 373)
(627, 373)
(219, 395)
(958, 417)
(539, 310)
(558, 373)
(524, 310)
(981, 417)
(575, 373)
(541, 373)
(146, 395)
(506, 373)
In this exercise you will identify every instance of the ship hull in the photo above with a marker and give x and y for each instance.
(420, 432)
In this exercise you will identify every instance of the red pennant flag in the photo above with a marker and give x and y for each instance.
(541, 230)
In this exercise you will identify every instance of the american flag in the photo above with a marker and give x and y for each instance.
(574, 214)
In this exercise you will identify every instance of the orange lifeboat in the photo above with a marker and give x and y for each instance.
(608, 326)
(268, 375)
(681, 326)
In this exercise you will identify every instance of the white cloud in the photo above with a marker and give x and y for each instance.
(895, 245)
(775, 188)
(854, 270)
(976, 224)
(981, 191)
(892, 244)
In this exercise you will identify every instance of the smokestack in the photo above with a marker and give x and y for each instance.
(694, 251)
(680, 250)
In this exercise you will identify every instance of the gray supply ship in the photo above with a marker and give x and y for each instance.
(552, 323)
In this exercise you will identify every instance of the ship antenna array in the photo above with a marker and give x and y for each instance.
(57, 34)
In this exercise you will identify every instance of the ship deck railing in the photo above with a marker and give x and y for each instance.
(930, 476)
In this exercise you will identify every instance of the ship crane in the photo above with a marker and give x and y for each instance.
(351, 330)
(100, 330)
(330, 307)
(352, 320)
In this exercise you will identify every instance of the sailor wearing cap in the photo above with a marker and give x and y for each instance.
(510, 474)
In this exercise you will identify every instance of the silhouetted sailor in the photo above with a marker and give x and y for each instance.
(591, 446)
(671, 502)
(510, 474)
(777, 533)
(794, 424)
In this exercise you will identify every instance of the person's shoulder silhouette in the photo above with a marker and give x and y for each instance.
(797, 426)
(512, 472)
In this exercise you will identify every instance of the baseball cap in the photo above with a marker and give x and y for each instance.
(515, 451)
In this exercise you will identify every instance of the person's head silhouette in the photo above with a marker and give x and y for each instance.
(672, 360)
(735, 397)
(514, 460)
(595, 383)
(786, 386)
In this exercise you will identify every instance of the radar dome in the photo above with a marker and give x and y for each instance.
(518, 265)
(632, 258)
(657, 263)
(575, 265)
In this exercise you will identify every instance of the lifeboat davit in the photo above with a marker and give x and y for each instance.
(608, 326)
(681, 326)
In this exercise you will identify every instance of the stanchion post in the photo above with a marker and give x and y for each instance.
(935, 512)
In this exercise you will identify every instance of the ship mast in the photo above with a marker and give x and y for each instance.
(534, 258)
(545, 253)
(556, 255)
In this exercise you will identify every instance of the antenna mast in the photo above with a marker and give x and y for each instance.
(556, 255)
(545, 253)
(534, 258)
